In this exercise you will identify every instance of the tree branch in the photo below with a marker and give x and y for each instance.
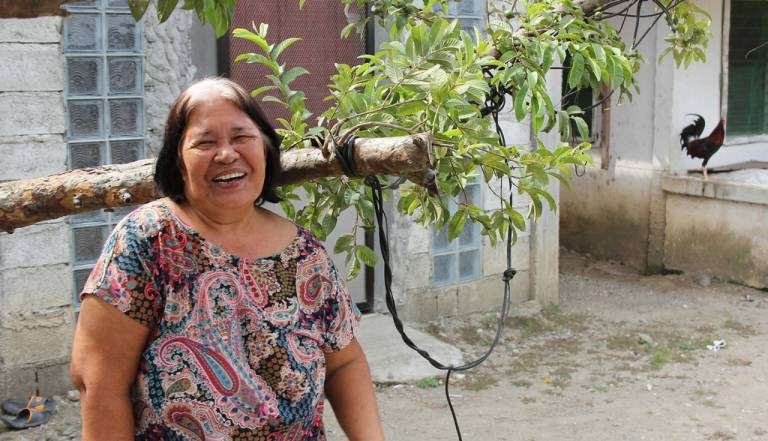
(29, 201)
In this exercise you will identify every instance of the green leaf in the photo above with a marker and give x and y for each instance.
(538, 173)
(353, 265)
(344, 243)
(406, 109)
(366, 210)
(288, 209)
(520, 96)
(346, 30)
(293, 73)
(366, 255)
(576, 72)
(516, 218)
(456, 224)
(329, 222)
(250, 36)
(259, 90)
(282, 46)
(582, 127)
(138, 8)
(165, 8)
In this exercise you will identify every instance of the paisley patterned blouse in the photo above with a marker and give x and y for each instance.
(236, 348)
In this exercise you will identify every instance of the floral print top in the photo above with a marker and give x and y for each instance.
(236, 347)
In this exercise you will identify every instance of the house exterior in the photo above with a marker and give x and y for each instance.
(94, 88)
(644, 208)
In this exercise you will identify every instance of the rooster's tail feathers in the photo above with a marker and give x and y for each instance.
(692, 131)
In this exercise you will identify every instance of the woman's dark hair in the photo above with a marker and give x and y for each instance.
(167, 173)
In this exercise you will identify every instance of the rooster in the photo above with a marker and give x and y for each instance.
(702, 148)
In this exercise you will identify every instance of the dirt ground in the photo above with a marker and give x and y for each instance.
(624, 357)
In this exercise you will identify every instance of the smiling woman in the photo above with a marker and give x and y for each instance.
(208, 316)
(210, 95)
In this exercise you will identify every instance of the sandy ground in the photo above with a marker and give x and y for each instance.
(624, 357)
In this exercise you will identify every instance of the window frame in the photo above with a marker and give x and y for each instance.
(758, 139)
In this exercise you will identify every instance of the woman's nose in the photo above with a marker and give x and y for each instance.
(226, 153)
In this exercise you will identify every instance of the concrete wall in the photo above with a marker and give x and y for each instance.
(717, 228)
(36, 316)
(35, 277)
(606, 207)
(168, 69)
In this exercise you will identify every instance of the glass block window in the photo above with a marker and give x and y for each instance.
(471, 14)
(105, 110)
(460, 260)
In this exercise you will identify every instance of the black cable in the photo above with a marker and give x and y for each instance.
(346, 157)
(345, 154)
(382, 222)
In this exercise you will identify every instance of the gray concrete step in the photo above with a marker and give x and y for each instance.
(391, 361)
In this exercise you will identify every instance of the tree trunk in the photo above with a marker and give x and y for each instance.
(29, 201)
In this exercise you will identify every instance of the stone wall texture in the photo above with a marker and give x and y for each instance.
(35, 277)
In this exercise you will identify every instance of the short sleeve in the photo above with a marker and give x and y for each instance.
(341, 315)
(126, 275)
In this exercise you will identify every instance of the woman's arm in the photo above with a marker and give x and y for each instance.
(349, 388)
(105, 357)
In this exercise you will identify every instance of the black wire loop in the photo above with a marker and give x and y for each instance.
(346, 157)
(509, 274)
(383, 227)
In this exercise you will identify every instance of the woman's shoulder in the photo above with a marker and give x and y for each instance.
(145, 221)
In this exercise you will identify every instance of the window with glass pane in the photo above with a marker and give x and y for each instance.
(471, 14)
(747, 61)
(460, 260)
(105, 110)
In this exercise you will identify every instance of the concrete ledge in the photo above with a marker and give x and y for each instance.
(391, 361)
(715, 189)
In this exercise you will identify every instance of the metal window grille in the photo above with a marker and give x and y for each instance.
(104, 93)
(460, 260)
(748, 68)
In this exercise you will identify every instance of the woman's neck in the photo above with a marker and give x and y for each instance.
(223, 222)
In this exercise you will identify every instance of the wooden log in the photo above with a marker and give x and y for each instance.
(28, 201)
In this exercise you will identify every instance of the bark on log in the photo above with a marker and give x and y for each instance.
(29, 201)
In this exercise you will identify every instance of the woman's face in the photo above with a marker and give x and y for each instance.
(222, 157)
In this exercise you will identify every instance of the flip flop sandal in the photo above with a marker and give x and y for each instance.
(13, 407)
(33, 415)
(26, 418)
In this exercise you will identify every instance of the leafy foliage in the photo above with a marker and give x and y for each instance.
(432, 76)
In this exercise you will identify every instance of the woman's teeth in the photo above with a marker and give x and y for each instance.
(228, 177)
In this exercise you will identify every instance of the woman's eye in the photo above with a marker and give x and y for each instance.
(243, 138)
